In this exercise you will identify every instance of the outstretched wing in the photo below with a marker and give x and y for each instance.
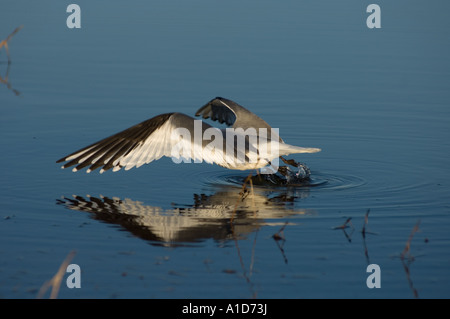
(233, 114)
(144, 143)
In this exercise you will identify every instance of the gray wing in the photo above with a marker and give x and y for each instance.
(233, 114)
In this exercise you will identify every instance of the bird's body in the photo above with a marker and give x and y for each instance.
(250, 143)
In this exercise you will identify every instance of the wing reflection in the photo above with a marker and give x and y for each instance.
(208, 217)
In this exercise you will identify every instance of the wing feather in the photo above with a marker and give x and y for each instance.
(227, 111)
(144, 143)
(110, 152)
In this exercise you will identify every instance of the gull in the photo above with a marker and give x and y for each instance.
(248, 142)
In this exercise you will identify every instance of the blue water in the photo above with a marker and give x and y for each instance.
(376, 101)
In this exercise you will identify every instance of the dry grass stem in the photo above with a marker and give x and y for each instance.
(4, 43)
(242, 193)
(280, 240)
(55, 282)
(407, 248)
(345, 225)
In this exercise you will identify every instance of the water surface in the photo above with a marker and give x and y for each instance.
(375, 101)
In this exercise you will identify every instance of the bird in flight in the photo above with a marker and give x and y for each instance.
(247, 143)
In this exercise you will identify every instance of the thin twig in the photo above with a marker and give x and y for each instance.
(366, 221)
(253, 198)
(253, 254)
(408, 277)
(407, 251)
(408, 243)
(241, 196)
(363, 231)
(4, 43)
(280, 234)
(5, 81)
(279, 237)
(241, 261)
(55, 282)
(344, 226)
(248, 179)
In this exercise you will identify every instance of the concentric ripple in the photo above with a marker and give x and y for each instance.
(367, 184)
(317, 180)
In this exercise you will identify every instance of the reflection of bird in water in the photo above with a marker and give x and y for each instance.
(208, 217)
(250, 144)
